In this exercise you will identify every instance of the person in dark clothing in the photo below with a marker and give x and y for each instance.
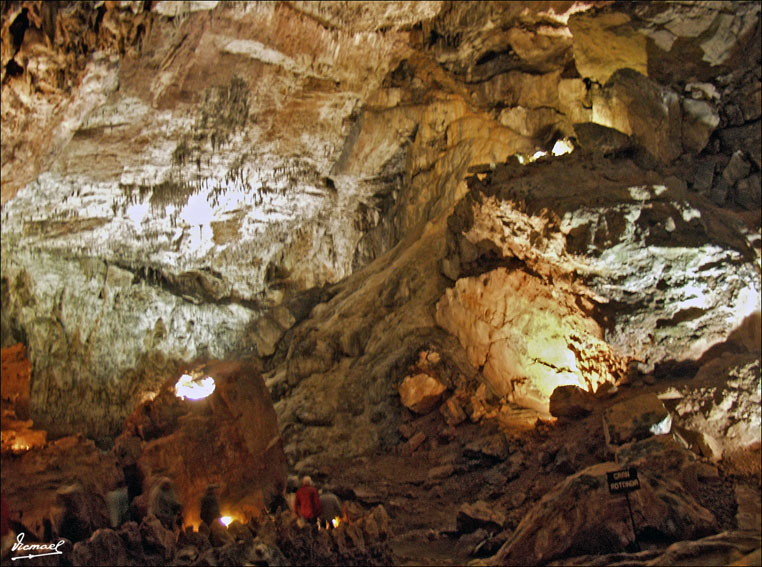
(307, 501)
(210, 505)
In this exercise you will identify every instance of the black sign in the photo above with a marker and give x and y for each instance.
(623, 481)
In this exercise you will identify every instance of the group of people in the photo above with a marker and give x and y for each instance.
(309, 505)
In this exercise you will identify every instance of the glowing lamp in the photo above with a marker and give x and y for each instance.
(336, 522)
(191, 388)
(226, 520)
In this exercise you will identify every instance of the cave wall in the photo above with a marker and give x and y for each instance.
(218, 180)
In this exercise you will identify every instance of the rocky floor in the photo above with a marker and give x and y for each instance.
(424, 491)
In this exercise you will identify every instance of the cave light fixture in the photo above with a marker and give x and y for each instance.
(191, 388)
(226, 520)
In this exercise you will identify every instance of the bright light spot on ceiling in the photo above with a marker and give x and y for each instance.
(191, 388)
(197, 210)
(137, 212)
(538, 155)
(562, 147)
(226, 520)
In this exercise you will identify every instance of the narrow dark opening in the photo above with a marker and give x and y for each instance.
(487, 57)
(18, 29)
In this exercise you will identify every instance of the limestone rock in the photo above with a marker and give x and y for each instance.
(749, 192)
(480, 514)
(506, 333)
(580, 517)
(414, 443)
(440, 472)
(421, 393)
(737, 169)
(158, 541)
(103, 547)
(635, 419)
(233, 433)
(571, 401)
(700, 119)
(722, 404)
(602, 45)
(633, 104)
(493, 447)
(659, 454)
(452, 410)
(598, 138)
(65, 482)
(728, 548)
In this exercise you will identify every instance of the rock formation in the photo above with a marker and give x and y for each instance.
(421, 219)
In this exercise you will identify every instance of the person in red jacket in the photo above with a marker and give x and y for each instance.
(307, 501)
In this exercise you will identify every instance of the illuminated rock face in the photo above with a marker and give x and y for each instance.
(640, 270)
(230, 438)
(222, 179)
(527, 339)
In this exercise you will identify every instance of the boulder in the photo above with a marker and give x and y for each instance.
(737, 169)
(635, 419)
(78, 512)
(597, 138)
(579, 516)
(637, 106)
(659, 454)
(571, 401)
(440, 472)
(240, 533)
(480, 514)
(414, 443)
(721, 405)
(158, 541)
(376, 525)
(219, 535)
(749, 192)
(452, 410)
(268, 554)
(492, 447)
(700, 118)
(104, 547)
(232, 434)
(421, 393)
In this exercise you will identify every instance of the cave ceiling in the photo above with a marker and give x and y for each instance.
(177, 177)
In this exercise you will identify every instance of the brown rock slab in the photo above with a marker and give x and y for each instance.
(635, 419)
(452, 410)
(580, 517)
(421, 393)
(104, 547)
(571, 401)
(480, 514)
